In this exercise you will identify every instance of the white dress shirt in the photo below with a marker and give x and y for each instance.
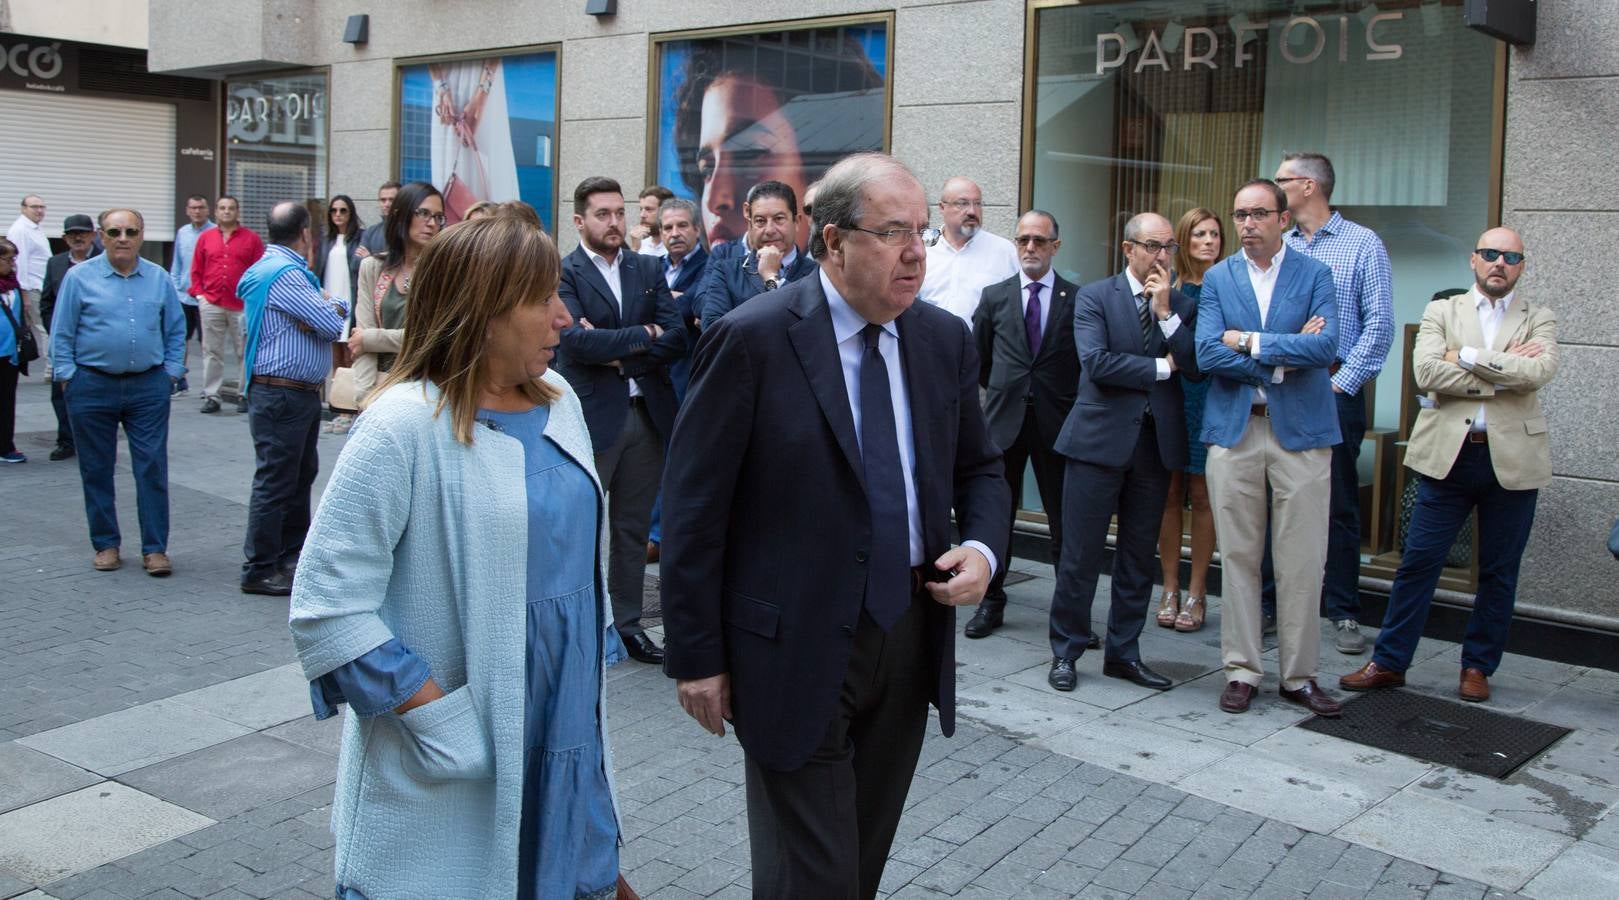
(611, 272)
(847, 328)
(33, 252)
(336, 281)
(1490, 316)
(1047, 282)
(1168, 326)
(956, 278)
(651, 249)
(1264, 285)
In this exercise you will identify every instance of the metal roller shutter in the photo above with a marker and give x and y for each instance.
(86, 154)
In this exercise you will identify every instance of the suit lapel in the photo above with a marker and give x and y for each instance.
(1237, 267)
(1516, 315)
(927, 413)
(817, 350)
(593, 277)
(1124, 314)
(1470, 332)
(1061, 314)
(1284, 281)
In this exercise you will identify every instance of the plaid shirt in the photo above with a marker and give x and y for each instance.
(1365, 287)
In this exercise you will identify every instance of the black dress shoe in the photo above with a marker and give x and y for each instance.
(1095, 643)
(1062, 676)
(642, 648)
(62, 451)
(984, 621)
(1135, 670)
(278, 584)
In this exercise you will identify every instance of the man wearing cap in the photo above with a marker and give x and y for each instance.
(79, 232)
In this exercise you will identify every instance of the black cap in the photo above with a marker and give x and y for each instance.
(78, 223)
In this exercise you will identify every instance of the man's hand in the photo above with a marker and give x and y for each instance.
(1157, 289)
(1525, 349)
(1313, 326)
(304, 328)
(769, 259)
(1172, 366)
(1231, 338)
(585, 324)
(654, 329)
(708, 700)
(357, 340)
(361, 252)
(1336, 389)
(638, 234)
(1454, 357)
(970, 581)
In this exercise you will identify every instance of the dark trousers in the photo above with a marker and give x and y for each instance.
(1030, 447)
(285, 423)
(64, 428)
(1340, 584)
(1091, 495)
(1504, 520)
(8, 405)
(823, 831)
(631, 471)
(193, 321)
(97, 405)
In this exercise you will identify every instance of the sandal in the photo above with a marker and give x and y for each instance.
(1191, 617)
(1169, 607)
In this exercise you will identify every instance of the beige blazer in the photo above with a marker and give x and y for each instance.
(373, 340)
(1507, 385)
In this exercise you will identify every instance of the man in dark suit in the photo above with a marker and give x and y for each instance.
(626, 333)
(831, 428)
(684, 264)
(79, 233)
(1023, 326)
(774, 261)
(1125, 434)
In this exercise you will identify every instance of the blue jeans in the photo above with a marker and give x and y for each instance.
(97, 404)
(1504, 520)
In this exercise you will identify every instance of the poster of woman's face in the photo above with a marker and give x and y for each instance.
(781, 105)
(482, 129)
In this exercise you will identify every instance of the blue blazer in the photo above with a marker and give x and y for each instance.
(733, 281)
(1303, 414)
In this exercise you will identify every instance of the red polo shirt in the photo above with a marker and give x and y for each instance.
(217, 264)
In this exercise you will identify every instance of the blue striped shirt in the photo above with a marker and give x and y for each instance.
(115, 322)
(1365, 287)
(285, 350)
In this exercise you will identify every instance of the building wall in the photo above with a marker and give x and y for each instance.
(114, 23)
(1562, 192)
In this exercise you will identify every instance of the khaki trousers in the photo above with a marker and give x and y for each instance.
(221, 345)
(1300, 503)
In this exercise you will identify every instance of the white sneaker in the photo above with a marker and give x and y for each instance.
(1349, 640)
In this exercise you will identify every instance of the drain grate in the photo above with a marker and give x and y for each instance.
(1440, 731)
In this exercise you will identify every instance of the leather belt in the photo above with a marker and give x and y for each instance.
(1260, 409)
(273, 381)
(106, 374)
(1478, 437)
(919, 577)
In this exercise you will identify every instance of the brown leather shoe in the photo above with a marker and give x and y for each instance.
(1312, 697)
(157, 565)
(1370, 677)
(1475, 686)
(1237, 696)
(107, 560)
(652, 552)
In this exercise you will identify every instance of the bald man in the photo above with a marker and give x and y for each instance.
(1125, 434)
(1480, 443)
(967, 258)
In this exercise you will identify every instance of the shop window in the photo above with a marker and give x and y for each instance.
(275, 143)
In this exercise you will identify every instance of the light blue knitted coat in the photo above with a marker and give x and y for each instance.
(425, 539)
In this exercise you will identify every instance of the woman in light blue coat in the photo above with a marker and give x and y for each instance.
(451, 592)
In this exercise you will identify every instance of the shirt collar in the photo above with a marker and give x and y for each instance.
(601, 261)
(1275, 261)
(1136, 287)
(288, 252)
(846, 323)
(1483, 304)
(107, 271)
(1048, 280)
(199, 229)
(1333, 225)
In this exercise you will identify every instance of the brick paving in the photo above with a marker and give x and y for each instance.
(990, 814)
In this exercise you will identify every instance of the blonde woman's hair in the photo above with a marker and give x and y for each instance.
(467, 276)
(1185, 266)
(481, 208)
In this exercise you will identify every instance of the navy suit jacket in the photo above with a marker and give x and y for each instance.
(1118, 377)
(765, 519)
(586, 355)
(1303, 413)
(736, 280)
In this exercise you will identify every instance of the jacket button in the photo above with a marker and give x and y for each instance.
(848, 630)
(1469, 421)
(860, 556)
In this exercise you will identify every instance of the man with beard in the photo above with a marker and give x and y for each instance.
(969, 258)
(772, 215)
(626, 333)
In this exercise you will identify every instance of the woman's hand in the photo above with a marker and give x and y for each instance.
(428, 693)
(357, 340)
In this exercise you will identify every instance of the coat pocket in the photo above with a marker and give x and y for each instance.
(751, 614)
(446, 741)
(1537, 425)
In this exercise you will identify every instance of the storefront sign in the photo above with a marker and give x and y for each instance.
(32, 64)
(1303, 40)
(255, 115)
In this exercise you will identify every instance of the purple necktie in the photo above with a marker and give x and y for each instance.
(1031, 318)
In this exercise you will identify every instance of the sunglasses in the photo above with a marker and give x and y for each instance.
(116, 233)
(1490, 255)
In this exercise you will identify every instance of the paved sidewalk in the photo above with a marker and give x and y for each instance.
(155, 742)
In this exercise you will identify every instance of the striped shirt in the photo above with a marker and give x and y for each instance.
(1365, 289)
(285, 350)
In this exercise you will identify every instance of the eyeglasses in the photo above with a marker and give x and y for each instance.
(1297, 178)
(116, 233)
(340, 210)
(423, 213)
(1258, 214)
(1154, 248)
(963, 204)
(1490, 255)
(1032, 240)
(899, 237)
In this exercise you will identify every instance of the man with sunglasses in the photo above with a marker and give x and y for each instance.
(118, 342)
(1267, 332)
(223, 254)
(1480, 444)
(968, 258)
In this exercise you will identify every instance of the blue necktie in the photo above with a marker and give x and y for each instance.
(1031, 319)
(888, 579)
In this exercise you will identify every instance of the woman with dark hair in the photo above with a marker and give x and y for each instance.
(1202, 243)
(336, 264)
(415, 217)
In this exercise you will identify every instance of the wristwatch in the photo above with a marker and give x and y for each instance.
(771, 284)
(1244, 340)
